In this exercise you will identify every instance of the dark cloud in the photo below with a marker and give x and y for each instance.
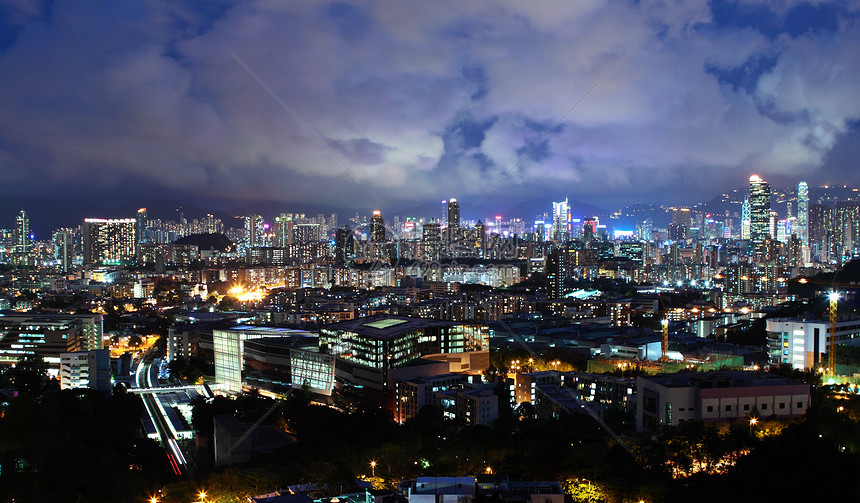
(424, 100)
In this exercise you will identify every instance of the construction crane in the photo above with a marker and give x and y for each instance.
(664, 341)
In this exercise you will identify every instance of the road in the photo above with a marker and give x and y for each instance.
(143, 379)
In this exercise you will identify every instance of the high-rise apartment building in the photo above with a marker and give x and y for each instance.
(109, 240)
(681, 223)
(453, 214)
(141, 226)
(821, 225)
(377, 227)
(432, 240)
(803, 212)
(846, 231)
(22, 236)
(343, 246)
(253, 230)
(759, 197)
(556, 272)
(64, 248)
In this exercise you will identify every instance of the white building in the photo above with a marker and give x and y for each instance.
(803, 343)
(86, 369)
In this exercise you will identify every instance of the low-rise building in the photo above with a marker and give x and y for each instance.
(86, 369)
(803, 343)
(670, 399)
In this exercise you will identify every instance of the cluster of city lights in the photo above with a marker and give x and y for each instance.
(244, 295)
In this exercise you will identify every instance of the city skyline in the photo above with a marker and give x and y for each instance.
(622, 103)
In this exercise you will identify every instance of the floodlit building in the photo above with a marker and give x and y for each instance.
(670, 399)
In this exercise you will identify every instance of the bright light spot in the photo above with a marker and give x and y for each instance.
(246, 295)
(833, 296)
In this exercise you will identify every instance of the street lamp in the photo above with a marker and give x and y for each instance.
(373, 469)
(753, 422)
(202, 496)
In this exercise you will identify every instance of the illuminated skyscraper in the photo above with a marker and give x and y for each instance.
(745, 219)
(759, 197)
(377, 227)
(803, 212)
(22, 234)
(141, 226)
(453, 214)
(561, 220)
(109, 241)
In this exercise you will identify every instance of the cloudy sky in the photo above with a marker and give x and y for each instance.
(425, 100)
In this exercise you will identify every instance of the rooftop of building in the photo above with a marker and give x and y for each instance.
(274, 331)
(384, 326)
(721, 379)
(282, 343)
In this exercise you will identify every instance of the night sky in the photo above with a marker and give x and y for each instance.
(111, 101)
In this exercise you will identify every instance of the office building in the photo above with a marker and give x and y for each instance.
(109, 241)
(368, 350)
(229, 351)
(671, 399)
(47, 336)
(804, 343)
(561, 221)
